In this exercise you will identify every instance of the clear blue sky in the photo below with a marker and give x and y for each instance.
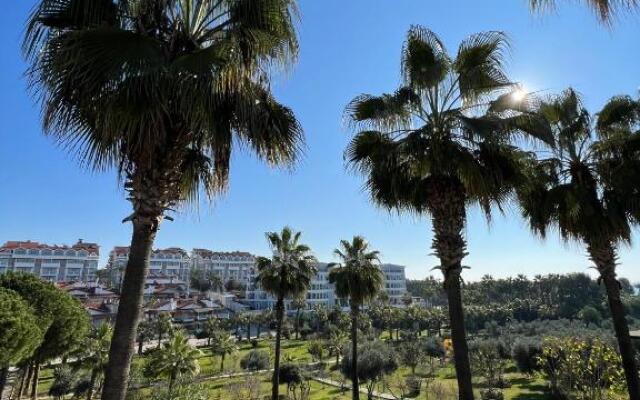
(347, 47)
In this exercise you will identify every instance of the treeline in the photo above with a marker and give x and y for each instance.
(549, 297)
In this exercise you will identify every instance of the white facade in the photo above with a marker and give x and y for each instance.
(77, 263)
(236, 265)
(171, 263)
(395, 282)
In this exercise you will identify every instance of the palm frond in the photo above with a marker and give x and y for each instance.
(425, 62)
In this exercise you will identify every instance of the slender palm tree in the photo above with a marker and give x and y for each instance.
(97, 355)
(163, 325)
(286, 275)
(442, 142)
(588, 187)
(176, 359)
(223, 345)
(356, 277)
(145, 332)
(215, 281)
(298, 304)
(336, 343)
(161, 91)
(604, 9)
(211, 327)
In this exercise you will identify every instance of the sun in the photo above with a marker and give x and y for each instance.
(519, 94)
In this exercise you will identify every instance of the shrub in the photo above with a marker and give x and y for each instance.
(255, 360)
(491, 394)
(525, 354)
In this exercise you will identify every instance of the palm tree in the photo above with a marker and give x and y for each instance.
(287, 274)
(163, 325)
(357, 277)
(222, 345)
(440, 143)
(97, 355)
(336, 342)
(145, 332)
(161, 90)
(604, 9)
(298, 304)
(176, 359)
(211, 327)
(588, 188)
(215, 281)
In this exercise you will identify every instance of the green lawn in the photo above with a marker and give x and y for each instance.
(442, 387)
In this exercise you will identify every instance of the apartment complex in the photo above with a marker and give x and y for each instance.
(395, 283)
(54, 263)
(320, 292)
(237, 265)
(170, 263)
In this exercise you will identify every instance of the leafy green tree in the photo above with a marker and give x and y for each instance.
(256, 360)
(442, 142)
(412, 354)
(161, 91)
(222, 345)
(375, 360)
(316, 349)
(20, 335)
(356, 277)
(96, 355)
(286, 275)
(63, 319)
(177, 358)
(587, 187)
(584, 369)
(590, 316)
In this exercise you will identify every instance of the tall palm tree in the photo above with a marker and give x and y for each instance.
(588, 187)
(97, 355)
(215, 281)
(286, 275)
(163, 325)
(145, 332)
(222, 345)
(604, 9)
(161, 90)
(298, 304)
(441, 142)
(356, 277)
(176, 359)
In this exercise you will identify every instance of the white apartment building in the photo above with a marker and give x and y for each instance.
(236, 265)
(77, 263)
(171, 263)
(395, 282)
(320, 292)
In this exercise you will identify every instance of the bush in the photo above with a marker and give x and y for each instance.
(525, 354)
(413, 384)
(255, 360)
(491, 394)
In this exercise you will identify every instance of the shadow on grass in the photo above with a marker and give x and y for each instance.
(534, 391)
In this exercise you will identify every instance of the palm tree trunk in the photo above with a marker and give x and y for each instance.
(275, 388)
(4, 375)
(140, 344)
(447, 206)
(222, 362)
(355, 384)
(124, 333)
(604, 256)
